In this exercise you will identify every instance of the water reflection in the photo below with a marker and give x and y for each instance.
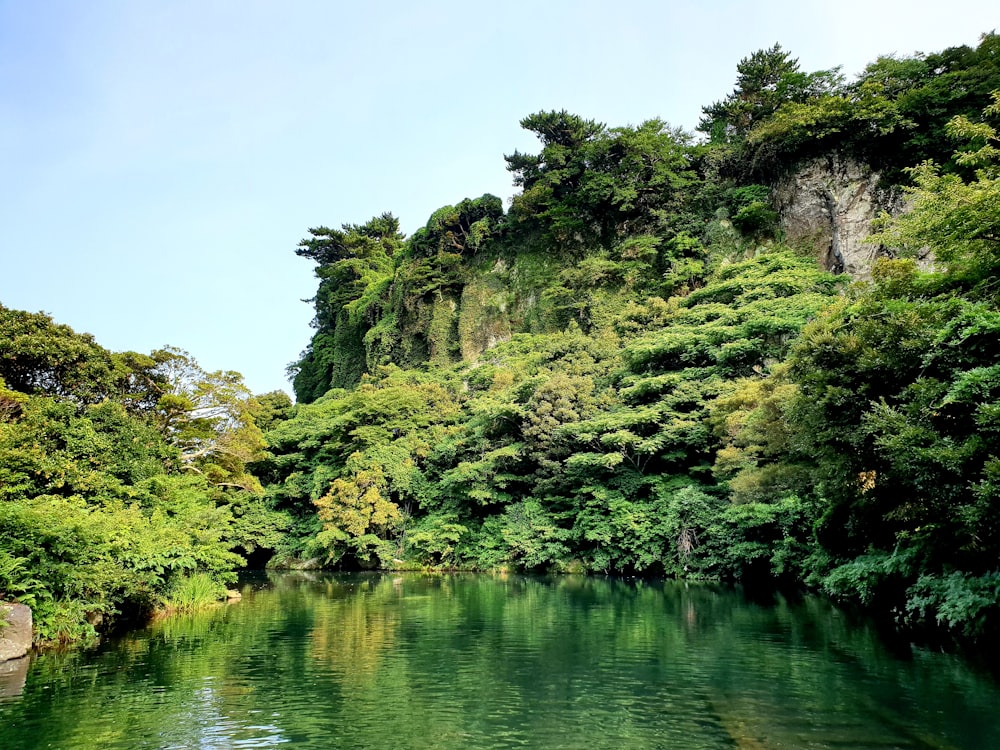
(418, 661)
(13, 674)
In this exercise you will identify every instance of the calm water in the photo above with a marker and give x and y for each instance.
(413, 661)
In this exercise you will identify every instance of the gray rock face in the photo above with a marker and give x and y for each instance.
(829, 203)
(15, 631)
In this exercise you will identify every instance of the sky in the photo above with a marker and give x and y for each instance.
(160, 161)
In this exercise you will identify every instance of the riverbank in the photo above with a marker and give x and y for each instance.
(466, 661)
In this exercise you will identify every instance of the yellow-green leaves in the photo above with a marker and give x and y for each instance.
(357, 505)
(957, 221)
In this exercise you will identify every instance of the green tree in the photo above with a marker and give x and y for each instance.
(95, 520)
(765, 80)
(273, 408)
(208, 417)
(957, 218)
(357, 517)
(39, 356)
(463, 228)
(591, 186)
(355, 267)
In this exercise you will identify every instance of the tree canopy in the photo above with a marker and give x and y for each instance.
(627, 371)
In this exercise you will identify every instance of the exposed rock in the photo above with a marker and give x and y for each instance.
(829, 203)
(15, 631)
(233, 595)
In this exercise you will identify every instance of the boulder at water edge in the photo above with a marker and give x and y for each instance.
(15, 630)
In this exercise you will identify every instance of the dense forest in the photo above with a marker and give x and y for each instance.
(636, 368)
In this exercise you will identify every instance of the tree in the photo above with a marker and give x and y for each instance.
(958, 220)
(97, 512)
(591, 186)
(550, 180)
(355, 267)
(328, 246)
(463, 228)
(39, 356)
(274, 407)
(858, 119)
(208, 417)
(765, 80)
(357, 517)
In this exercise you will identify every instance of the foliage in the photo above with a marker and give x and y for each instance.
(354, 265)
(959, 219)
(464, 228)
(967, 604)
(117, 482)
(39, 356)
(356, 514)
(626, 372)
(194, 591)
(851, 119)
(885, 414)
(591, 186)
(273, 408)
(766, 80)
(895, 115)
(209, 418)
(554, 450)
(357, 457)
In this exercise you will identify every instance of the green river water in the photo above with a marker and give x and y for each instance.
(410, 661)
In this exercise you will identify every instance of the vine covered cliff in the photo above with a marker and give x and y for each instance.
(657, 360)
(717, 355)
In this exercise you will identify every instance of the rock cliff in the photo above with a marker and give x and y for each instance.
(829, 203)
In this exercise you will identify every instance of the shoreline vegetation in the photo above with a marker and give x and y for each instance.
(631, 370)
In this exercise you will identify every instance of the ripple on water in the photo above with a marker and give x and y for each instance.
(414, 662)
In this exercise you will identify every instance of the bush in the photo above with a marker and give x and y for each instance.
(960, 602)
(194, 591)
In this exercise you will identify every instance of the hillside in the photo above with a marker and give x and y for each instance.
(757, 353)
(652, 361)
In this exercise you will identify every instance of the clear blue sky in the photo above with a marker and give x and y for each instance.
(159, 161)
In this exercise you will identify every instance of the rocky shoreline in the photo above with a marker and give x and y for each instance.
(15, 631)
